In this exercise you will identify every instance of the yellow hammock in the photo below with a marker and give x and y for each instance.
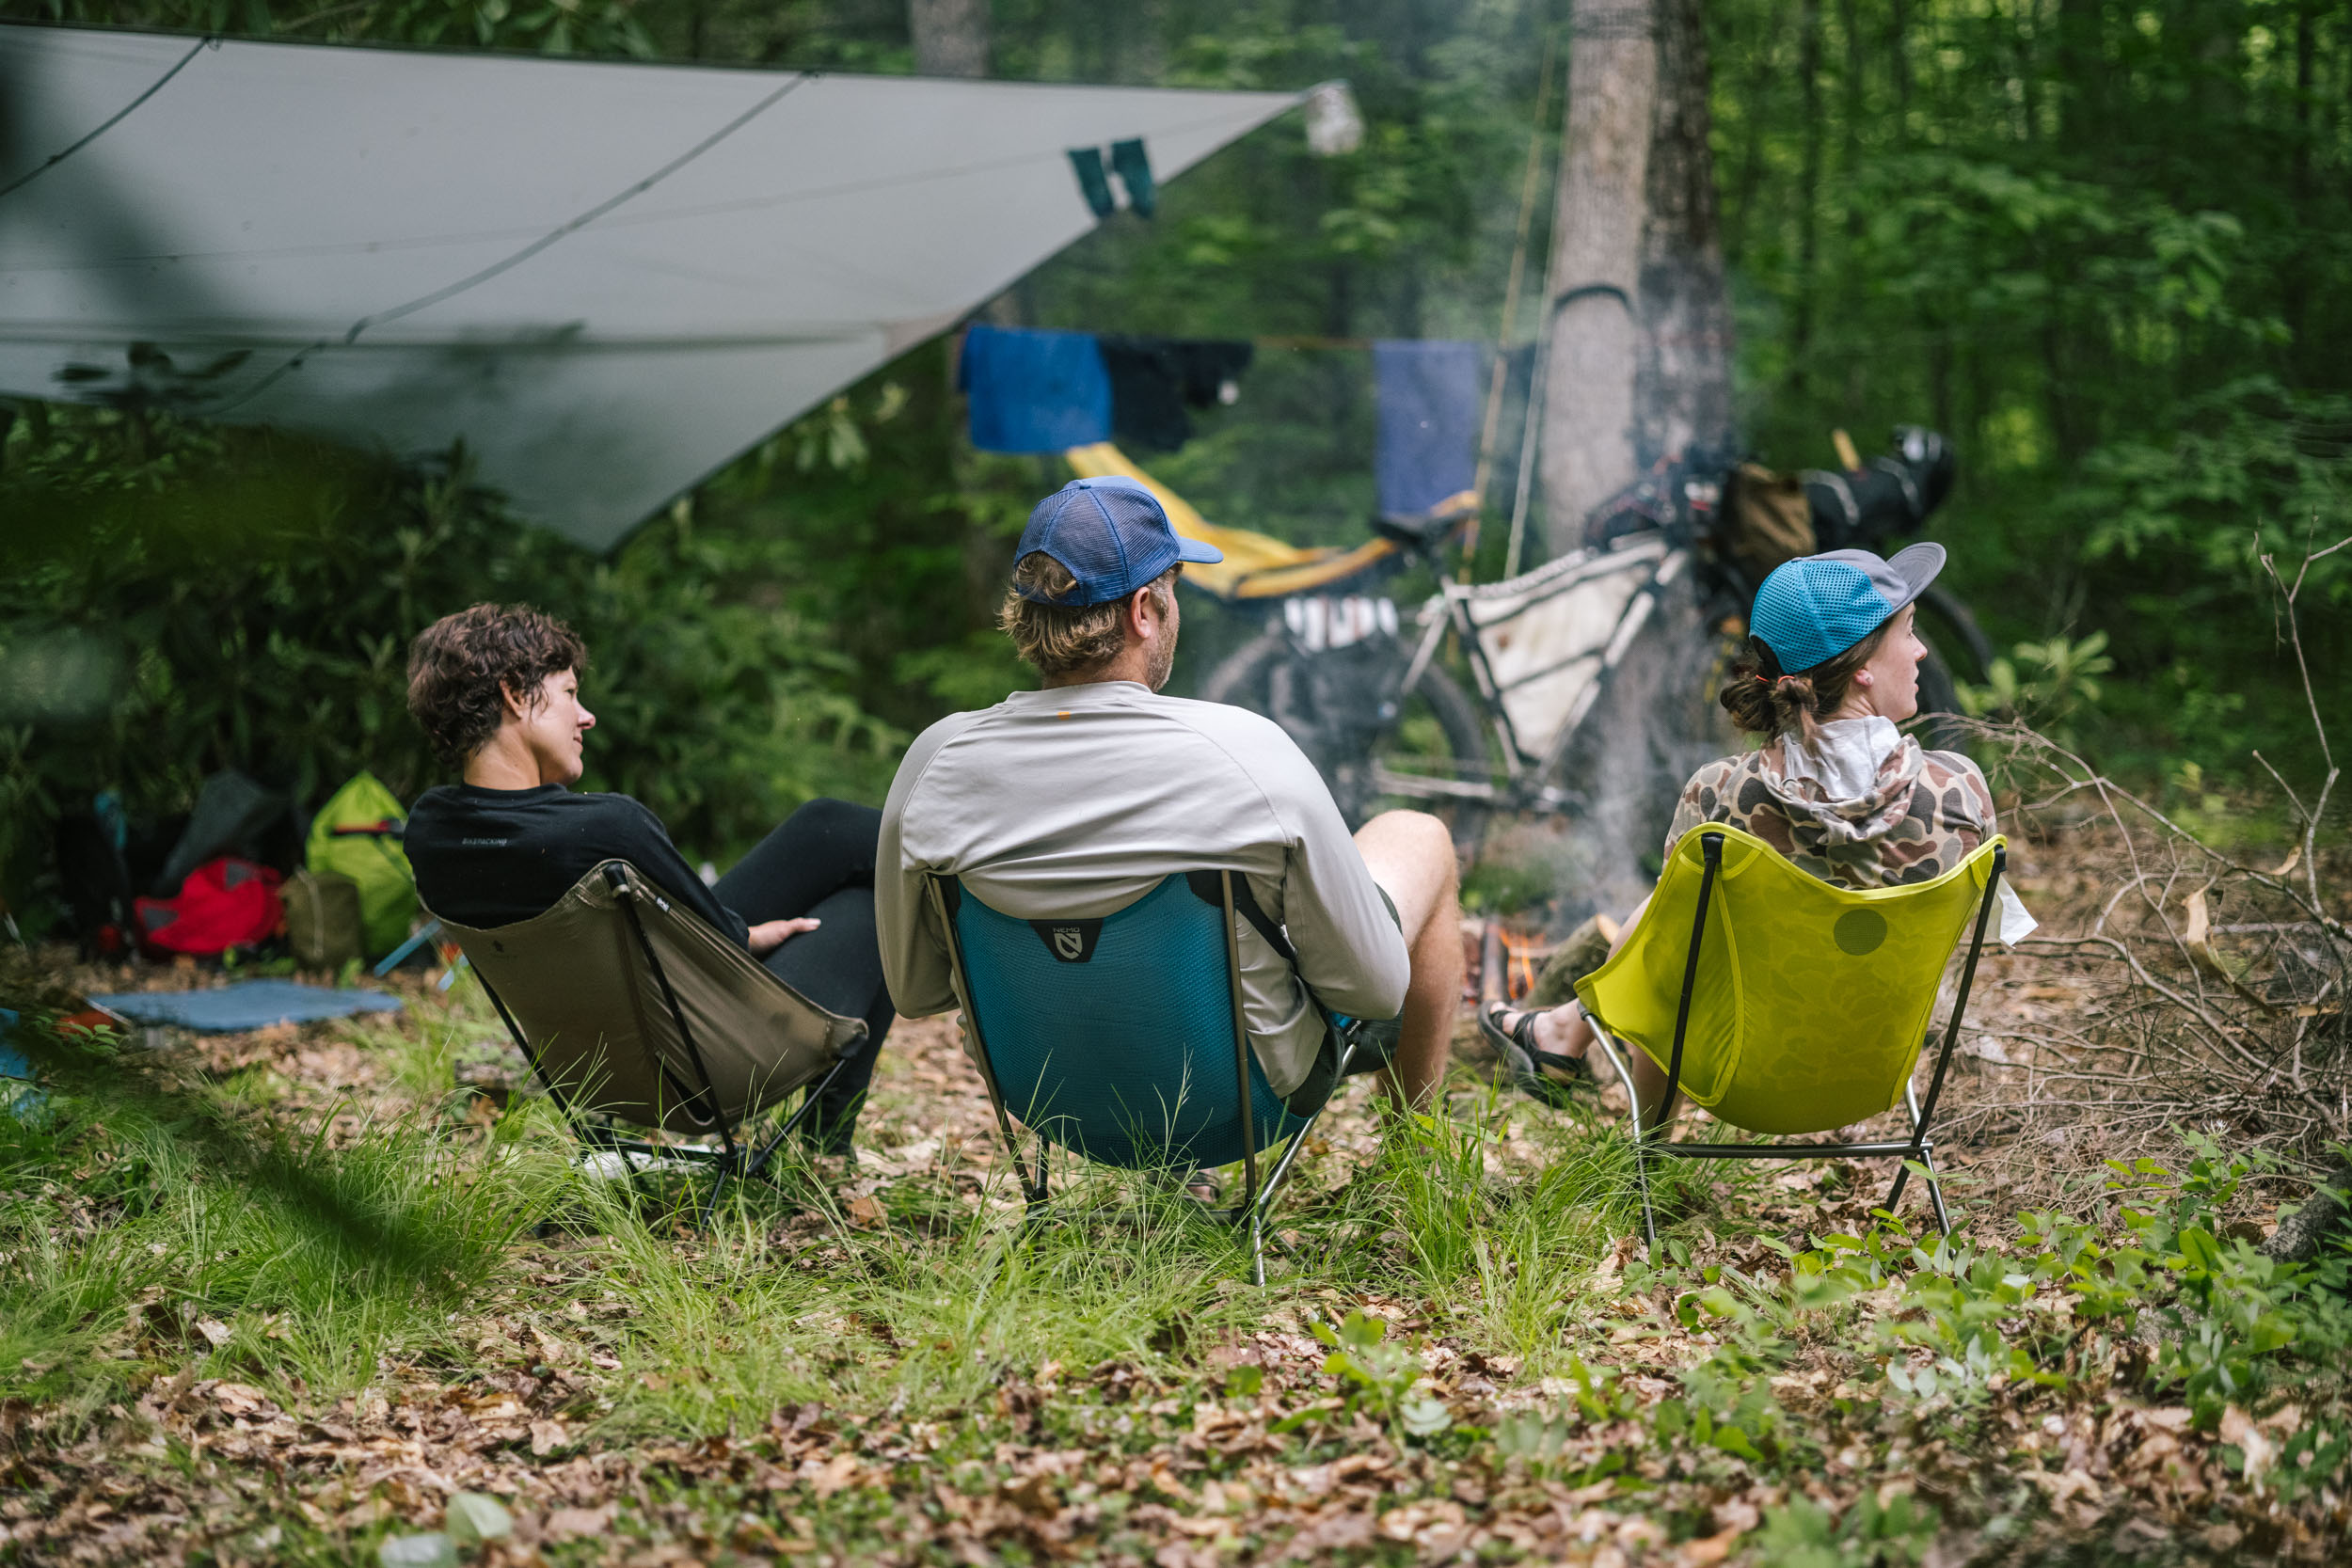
(1255, 566)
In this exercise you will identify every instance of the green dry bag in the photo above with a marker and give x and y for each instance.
(356, 833)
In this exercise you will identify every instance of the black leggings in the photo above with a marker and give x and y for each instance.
(820, 862)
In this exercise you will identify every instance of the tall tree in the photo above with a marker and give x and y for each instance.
(1640, 358)
(1639, 368)
(1589, 419)
(1682, 391)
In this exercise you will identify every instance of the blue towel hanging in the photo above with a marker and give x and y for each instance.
(1427, 456)
(1035, 390)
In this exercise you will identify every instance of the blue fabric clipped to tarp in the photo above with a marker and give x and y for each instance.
(1035, 390)
(1427, 456)
(245, 1005)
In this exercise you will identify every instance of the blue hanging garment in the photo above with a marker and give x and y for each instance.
(1035, 390)
(1427, 457)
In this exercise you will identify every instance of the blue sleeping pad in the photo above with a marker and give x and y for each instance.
(1114, 1037)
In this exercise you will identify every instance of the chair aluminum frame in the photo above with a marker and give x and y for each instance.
(730, 1160)
(1919, 1147)
(1256, 1199)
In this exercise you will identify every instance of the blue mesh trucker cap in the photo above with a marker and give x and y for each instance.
(1113, 536)
(1816, 607)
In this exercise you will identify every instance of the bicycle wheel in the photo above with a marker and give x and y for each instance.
(1366, 747)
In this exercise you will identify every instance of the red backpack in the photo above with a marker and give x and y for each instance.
(224, 903)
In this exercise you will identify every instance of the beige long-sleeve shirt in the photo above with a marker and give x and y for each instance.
(1076, 801)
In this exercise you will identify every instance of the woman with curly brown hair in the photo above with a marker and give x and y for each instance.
(1831, 667)
(496, 689)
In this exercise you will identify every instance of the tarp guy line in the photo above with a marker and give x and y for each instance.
(109, 123)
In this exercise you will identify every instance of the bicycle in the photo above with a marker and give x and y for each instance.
(1386, 724)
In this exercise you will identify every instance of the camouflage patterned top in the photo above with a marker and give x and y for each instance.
(1920, 816)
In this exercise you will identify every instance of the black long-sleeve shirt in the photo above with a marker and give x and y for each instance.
(491, 857)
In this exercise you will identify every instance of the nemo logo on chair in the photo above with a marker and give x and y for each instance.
(1070, 940)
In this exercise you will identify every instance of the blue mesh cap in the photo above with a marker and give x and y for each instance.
(1816, 607)
(1112, 533)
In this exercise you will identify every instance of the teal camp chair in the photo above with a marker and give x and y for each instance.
(1121, 1038)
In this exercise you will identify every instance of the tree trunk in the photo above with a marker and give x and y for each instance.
(1682, 391)
(1640, 361)
(1596, 269)
(950, 37)
(1638, 369)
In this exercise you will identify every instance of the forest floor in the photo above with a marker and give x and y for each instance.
(312, 1294)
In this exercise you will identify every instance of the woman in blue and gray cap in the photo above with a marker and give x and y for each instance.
(1831, 667)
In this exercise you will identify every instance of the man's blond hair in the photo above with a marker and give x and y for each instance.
(1066, 639)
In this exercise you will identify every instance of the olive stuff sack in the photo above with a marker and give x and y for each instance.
(356, 835)
(1767, 519)
(323, 925)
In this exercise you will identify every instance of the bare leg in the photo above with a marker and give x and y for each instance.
(1410, 854)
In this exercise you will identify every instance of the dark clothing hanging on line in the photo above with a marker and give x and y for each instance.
(1155, 380)
(1427, 456)
(1034, 391)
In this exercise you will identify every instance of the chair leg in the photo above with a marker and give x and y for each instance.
(1923, 1150)
(1641, 1139)
(1935, 1190)
(718, 1186)
(758, 1165)
(1034, 1190)
(1902, 1176)
(1257, 1245)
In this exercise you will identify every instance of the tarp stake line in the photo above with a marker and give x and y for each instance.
(118, 117)
(535, 247)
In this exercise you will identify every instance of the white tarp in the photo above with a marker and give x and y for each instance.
(607, 278)
(1549, 638)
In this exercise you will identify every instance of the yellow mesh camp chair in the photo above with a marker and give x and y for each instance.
(1785, 1004)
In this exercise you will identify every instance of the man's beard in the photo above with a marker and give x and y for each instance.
(1163, 662)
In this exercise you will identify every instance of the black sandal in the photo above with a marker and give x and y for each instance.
(1525, 1061)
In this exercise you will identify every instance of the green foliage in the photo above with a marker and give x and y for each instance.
(188, 599)
(2067, 1307)
(1380, 1375)
(1867, 1535)
(2047, 685)
(2104, 249)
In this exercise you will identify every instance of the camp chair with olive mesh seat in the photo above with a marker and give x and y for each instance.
(1785, 1006)
(1121, 1038)
(633, 1010)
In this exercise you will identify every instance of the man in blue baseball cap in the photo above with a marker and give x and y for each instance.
(1076, 800)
